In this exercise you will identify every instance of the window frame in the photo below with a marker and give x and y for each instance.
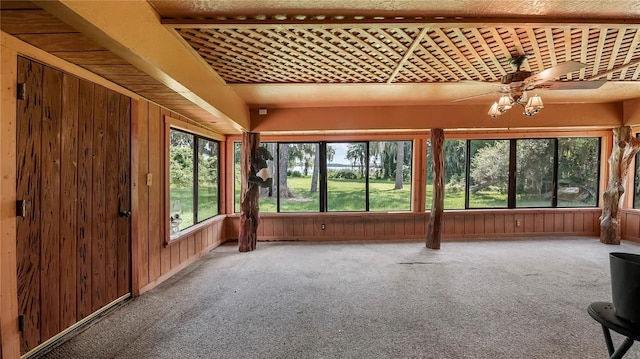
(323, 173)
(198, 132)
(511, 195)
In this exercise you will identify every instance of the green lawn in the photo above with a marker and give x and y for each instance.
(349, 195)
(207, 203)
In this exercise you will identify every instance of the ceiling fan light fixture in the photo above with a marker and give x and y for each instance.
(494, 111)
(504, 103)
(535, 102)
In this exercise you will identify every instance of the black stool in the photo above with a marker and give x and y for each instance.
(603, 312)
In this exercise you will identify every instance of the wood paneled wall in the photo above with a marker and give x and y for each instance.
(74, 176)
(630, 224)
(457, 224)
(154, 260)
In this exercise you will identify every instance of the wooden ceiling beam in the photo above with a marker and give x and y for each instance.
(440, 22)
(407, 54)
(133, 31)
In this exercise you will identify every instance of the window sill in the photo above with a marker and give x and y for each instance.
(178, 237)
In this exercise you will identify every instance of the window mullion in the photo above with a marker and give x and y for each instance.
(554, 184)
(196, 165)
(467, 173)
(366, 176)
(511, 192)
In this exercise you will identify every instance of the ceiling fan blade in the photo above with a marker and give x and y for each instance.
(573, 85)
(475, 96)
(553, 72)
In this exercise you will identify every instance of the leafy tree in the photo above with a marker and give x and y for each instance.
(356, 155)
(454, 160)
(490, 165)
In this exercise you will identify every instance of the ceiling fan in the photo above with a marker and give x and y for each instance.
(515, 85)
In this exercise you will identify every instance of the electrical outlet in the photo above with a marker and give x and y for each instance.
(517, 223)
(323, 226)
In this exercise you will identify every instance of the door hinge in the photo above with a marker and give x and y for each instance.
(21, 91)
(21, 208)
(21, 323)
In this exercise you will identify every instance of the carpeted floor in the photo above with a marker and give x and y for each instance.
(500, 299)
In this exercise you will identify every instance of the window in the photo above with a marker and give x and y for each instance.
(454, 173)
(578, 172)
(341, 176)
(298, 177)
(555, 172)
(534, 172)
(193, 179)
(390, 176)
(346, 176)
(488, 180)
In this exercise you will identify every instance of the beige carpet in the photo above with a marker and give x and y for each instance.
(500, 299)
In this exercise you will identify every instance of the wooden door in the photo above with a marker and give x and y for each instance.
(73, 242)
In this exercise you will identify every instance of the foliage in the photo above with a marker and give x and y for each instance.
(489, 165)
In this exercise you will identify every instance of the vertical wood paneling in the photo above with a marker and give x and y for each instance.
(159, 262)
(558, 222)
(518, 223)
(112, 200)
(124, 196)
(184, 249)
(50, 203)
(68, 205)
(459, 224)
(449, 225)
(192, 244)
(499, 223)
(478, 224)
(198, 243)
(285, 224)
(409, 225)
(142, 127)
(589, 220)
(548, 222)
(578, 222)
(85, 197)
(489, 224)
(308, 227)
(338, 227)
(421, 226)
(175, 255)
(278, 226)
(358, 228)
(317, 222)
(29, 119)
(67, 264)
(539, 222)
(398, 226)
(98, 265)
(529, 222)
(509, 223)
(568, 222)
(469, 224)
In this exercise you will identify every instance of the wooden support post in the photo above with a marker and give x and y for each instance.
(625, 148)
(434, 232)
(249, 203)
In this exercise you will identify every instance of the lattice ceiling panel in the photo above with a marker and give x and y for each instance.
(410, 53)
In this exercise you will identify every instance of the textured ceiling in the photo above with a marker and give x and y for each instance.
(326, 53)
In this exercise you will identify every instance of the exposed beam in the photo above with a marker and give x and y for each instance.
(132, 30)
(616, 69)
(257, 22)
(407, 54)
